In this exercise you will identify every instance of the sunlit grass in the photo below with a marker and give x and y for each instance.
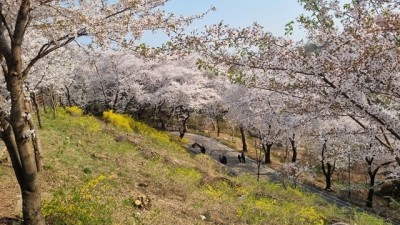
(182, 187)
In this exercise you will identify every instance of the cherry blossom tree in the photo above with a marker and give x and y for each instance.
(351, 70)
(257, 112)
(186, 90)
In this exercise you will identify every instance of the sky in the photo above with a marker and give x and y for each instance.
(272, 14)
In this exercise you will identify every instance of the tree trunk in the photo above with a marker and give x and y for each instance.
(53, 103)
(371, 189)
(243, 135)
(372, 175)
(67, 93)
(24, 158)
(44, 102)
(61, 102)
(294, 148)
(183, 130)
(329, 169)
(328, 176)
(37, 111)
(258, 169)
(128, 104)
(218, 126)
(114, 106)
(267, 150)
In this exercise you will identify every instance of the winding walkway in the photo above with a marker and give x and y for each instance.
(215, 149)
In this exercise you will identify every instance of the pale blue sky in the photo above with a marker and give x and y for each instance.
(272, 14)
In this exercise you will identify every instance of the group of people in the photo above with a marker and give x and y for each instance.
(224, 160)
(242, 158)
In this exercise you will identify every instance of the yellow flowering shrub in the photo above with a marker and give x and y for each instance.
(74, 110)
(308, 215)
(119, 120)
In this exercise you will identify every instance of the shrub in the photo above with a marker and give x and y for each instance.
(119, 120)
(84, 205)
(74, 110)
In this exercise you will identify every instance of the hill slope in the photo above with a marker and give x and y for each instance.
(98, 173)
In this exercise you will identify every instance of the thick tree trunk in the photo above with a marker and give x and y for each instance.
(328, 182)
(31, 206)
(371, 189)
(267, 150)
(243, 135)
(28, 157)
(328, 176)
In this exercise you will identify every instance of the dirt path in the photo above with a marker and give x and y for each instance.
(215, 149)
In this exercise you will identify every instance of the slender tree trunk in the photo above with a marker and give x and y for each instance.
(371, 189)
(286, 151)
(37, 111)
(329, 169)
(67, 93)
(294, 148)
(183, 130)
(61, 102)
(258, 158)
(53, 102)
(243, 135)
(218, 126)
(128, 104)
(372, 174)
(114, 107)
(44, 102)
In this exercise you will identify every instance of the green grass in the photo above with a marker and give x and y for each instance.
(94, 171)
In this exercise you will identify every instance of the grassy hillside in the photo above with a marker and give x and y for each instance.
(124, 172)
